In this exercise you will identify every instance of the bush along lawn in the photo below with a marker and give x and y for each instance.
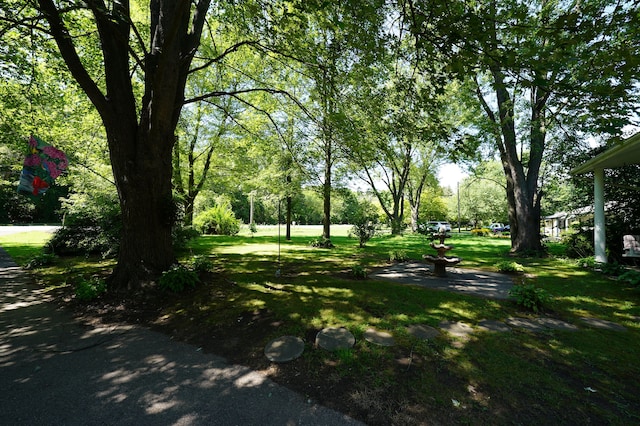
(254, 290)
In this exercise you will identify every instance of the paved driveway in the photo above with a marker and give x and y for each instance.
(56, 371)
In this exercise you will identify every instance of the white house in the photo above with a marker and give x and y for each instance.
(622, 154)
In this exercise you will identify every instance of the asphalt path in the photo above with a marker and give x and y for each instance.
(57, 371)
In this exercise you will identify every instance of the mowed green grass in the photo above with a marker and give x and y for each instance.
(559, 377)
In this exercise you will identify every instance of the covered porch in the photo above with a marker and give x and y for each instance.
(625, 153)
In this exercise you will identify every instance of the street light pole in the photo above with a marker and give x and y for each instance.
(458, 191)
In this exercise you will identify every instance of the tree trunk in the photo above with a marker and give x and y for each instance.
(326, 194)
(288, 237)
(140, 132)
(524, 215)
(414, 217)
(148, 211)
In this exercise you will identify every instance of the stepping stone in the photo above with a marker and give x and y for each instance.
(381, 338)
(493, 325)
(283, 349)
(422, 331)
(527, 324)
(556, 324)
(603, 324)
(457, 329)
(333, 338)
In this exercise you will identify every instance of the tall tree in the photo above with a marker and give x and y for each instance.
(333, 44)
(137, 86)
(394, 131)
(536, 65)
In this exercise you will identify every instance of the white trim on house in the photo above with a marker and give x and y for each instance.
(622, 154)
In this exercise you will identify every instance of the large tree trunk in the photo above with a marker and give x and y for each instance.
(522, 196)
(146, 246)
(140, 132)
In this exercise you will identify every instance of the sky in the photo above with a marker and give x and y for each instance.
(449, 175)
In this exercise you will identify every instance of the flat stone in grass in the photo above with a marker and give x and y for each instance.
(422, 331)
(556, 324)
(334, 338)
(493, 325)
(381, 338)
(457, 329)
(283, 349)
(603, 324)
(526, 323)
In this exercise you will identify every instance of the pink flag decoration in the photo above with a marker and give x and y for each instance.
(42, 165)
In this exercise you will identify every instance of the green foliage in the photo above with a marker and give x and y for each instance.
(578, 244)
(253, 228)
(182, 235)
(177, 279)
(359, 271)
(364, 231)
(218, 220)
(481, 232)
(632, 277)
(587, 262)
(92, 225)
(42, 259)
(202, 264)
(87, 290)
(613, 269)
(530, 296)
(321, 242)
(363, 215)
(509, 266)
(398, 256)
(482, 195)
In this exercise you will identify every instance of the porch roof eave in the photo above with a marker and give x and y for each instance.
(625, 153)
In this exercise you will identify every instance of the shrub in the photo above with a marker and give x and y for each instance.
(321, 242)
(364, 217)
(177, 279)
(218, 220)
(530, 296)
(612, 269)
(87, 290)
(42, 259)
(92, 225)
(358, 271)
(202, 264)
(480, 232)
(577, 244)
(509, 266)
(631, 277)
(181, 235)
(398, 256)
(364, 232)
(587, 262)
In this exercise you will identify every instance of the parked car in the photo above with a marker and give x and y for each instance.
(496, 227)
(434, 226)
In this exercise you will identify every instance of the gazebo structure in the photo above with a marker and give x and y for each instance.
(623, 154)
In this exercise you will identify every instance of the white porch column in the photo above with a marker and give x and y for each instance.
(598, 216)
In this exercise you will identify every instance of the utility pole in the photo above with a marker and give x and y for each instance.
(458, 191)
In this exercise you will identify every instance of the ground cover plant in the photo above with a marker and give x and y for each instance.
(258, 288)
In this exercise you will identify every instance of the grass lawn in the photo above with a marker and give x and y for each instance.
(517, 377)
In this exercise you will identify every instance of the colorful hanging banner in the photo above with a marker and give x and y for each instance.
(42, 165)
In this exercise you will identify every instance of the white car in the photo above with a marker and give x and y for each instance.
(436, 225)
